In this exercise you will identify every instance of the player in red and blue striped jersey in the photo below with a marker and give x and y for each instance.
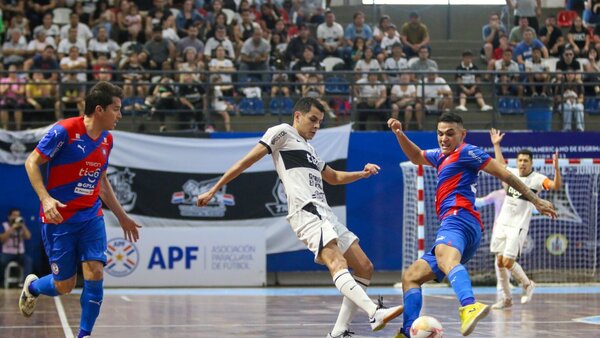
(76, 151)
(457, 239)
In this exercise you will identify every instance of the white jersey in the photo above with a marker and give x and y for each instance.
(298, 166)
(516, 211)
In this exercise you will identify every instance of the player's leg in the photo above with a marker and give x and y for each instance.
(497, 247)
(514, 246)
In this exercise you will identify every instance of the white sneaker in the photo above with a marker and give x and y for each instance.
(461, 108)
(502, 304)
(527, 293)
(486, 107)
(383, 315)
(27, 300)
(345, 334)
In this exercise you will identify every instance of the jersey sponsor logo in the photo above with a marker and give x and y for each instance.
(121, 181)
(57, 148)
(278, 137)
(186, 199)
(122, 257)
(299, 159)
(77, 138)
(280, 206)
(80, 190)
(512, 192)
(475, 156)
(91, 175)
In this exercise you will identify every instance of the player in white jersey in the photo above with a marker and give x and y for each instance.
(512, 224)
(302, 173)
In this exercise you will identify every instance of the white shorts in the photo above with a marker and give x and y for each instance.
(508, 241)
(316, 227)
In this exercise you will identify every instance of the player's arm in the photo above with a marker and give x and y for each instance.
(557, 182)
(544, 207)
(496, 137)
(259, 151)
(411, 150)
(49, 204)
(336, 177)
(107, 194)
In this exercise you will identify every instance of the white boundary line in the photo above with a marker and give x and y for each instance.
(63, 318)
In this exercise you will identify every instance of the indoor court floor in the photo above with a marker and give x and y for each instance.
(562, 311)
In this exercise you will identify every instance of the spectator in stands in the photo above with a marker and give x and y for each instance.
(313, 87)
(414, 35)
(83, 31)
(278, 48)
(102, 69)
(367, 64)
(424, 63)
(254, 56)
(297, 45)
(170, 30)
(517, 32)
(14, 50)
(221, 107)
(551, 36)
(570, 97)
(188, 17)
(37, 45)
(134, 74)
(591, 77)
(491, 34)
(191, 100)
(158, 13)
(103, 16)
(371, 96)
(279, 81)
(579, 38)
(12, 97)
(20, 23)
(71, 41)
(220, 39)
(129, 22)
(468, 83)
(103, 45)
(223, 68)
(72, 97)
(132, 104)
(243, 30)
(217, 8)
(48, 27)
(268, 17)
(497, 55)
(11, 8)
(46, 61)
(330, 35)
(591, 13)
(191, 40)
(381, 29)
(507, 76)
(524, 49)
(313, 11)
(390, 39)
(37, 10)
(394, 64)
(74, 62)
(164, 99)
(358, 28)
(539, 77)
(157, 51)
(526, 9)
(190, 63)
(357, 53)
(307, 64)
(41, 95)
(568, 63)
(434, 95)
(13, 234)
(403, 99)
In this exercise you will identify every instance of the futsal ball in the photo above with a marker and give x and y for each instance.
(426, 327)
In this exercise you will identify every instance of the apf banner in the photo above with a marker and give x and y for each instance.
(180, 256)
(15, 146)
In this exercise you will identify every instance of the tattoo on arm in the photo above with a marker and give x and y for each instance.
(516, 183)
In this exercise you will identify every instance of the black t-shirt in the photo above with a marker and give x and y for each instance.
(561, 65)
(466, 73)
(304, 66)
(556, 33)
(44, 64)
(579, 36)
(191, 91)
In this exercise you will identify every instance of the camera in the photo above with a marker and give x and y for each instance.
(18, 222)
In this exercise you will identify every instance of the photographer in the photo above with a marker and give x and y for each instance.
(13, 234)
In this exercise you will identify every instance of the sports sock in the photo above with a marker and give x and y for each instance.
(413, 301)
(348, 309)
(348, 287)
(91, 299)
(503, 280)
(461, 283)
(519, 274)
(83, 333)
(498, 285)
(43, 286)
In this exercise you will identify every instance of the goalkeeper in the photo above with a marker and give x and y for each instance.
(512, 224)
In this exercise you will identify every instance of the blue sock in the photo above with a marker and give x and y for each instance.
(83, 333)
(43, 286)
(413, 301)
(461, 283)
(91, 299)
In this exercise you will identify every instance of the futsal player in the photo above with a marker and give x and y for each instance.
(77, 151)
(457, 164)
(512, 225)
(302, 173)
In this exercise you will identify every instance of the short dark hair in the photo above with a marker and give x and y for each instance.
(11, 210)
(525, 152)
(102, 95)
(451, 117)
(306, 103)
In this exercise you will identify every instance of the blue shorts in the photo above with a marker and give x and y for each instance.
(68, 244)
(462, 232)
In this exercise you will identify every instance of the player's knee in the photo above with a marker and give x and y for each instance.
(365, 269)
(507, 262)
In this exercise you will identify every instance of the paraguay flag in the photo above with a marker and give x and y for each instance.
(177, 197)
(228, 200)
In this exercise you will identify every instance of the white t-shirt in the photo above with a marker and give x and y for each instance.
(530, 66)
(81, 77)
(516, 212)
(387, 43)
(83, 32)
(225, 63)
(36, 46)
(298, 166)
(110, 47)
(367, 90)
(431, 90)
(363, 67)
(331, 35)
(64, 46)
(410, 90)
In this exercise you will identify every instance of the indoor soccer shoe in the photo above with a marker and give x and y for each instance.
(399, 334)
(345, 334)
(502, 304)
(383, 315)
(470, 315)
(527, 293)
(27, 300)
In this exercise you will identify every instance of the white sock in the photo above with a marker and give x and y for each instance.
(349, 288)
(519, 274)
(498, 285)
(503, 280)
(348, 309)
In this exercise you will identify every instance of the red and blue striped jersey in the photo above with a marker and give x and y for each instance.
(76, 163)
(457, 179)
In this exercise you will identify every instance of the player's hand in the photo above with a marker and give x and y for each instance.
(203, 199)
(50, 206)
(130, 229)
(496, 136)
(395, 126)
(555, 160)
(546, 208)
(370, 169)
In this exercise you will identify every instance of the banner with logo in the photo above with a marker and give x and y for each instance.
(15, 146)
(180, 256)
